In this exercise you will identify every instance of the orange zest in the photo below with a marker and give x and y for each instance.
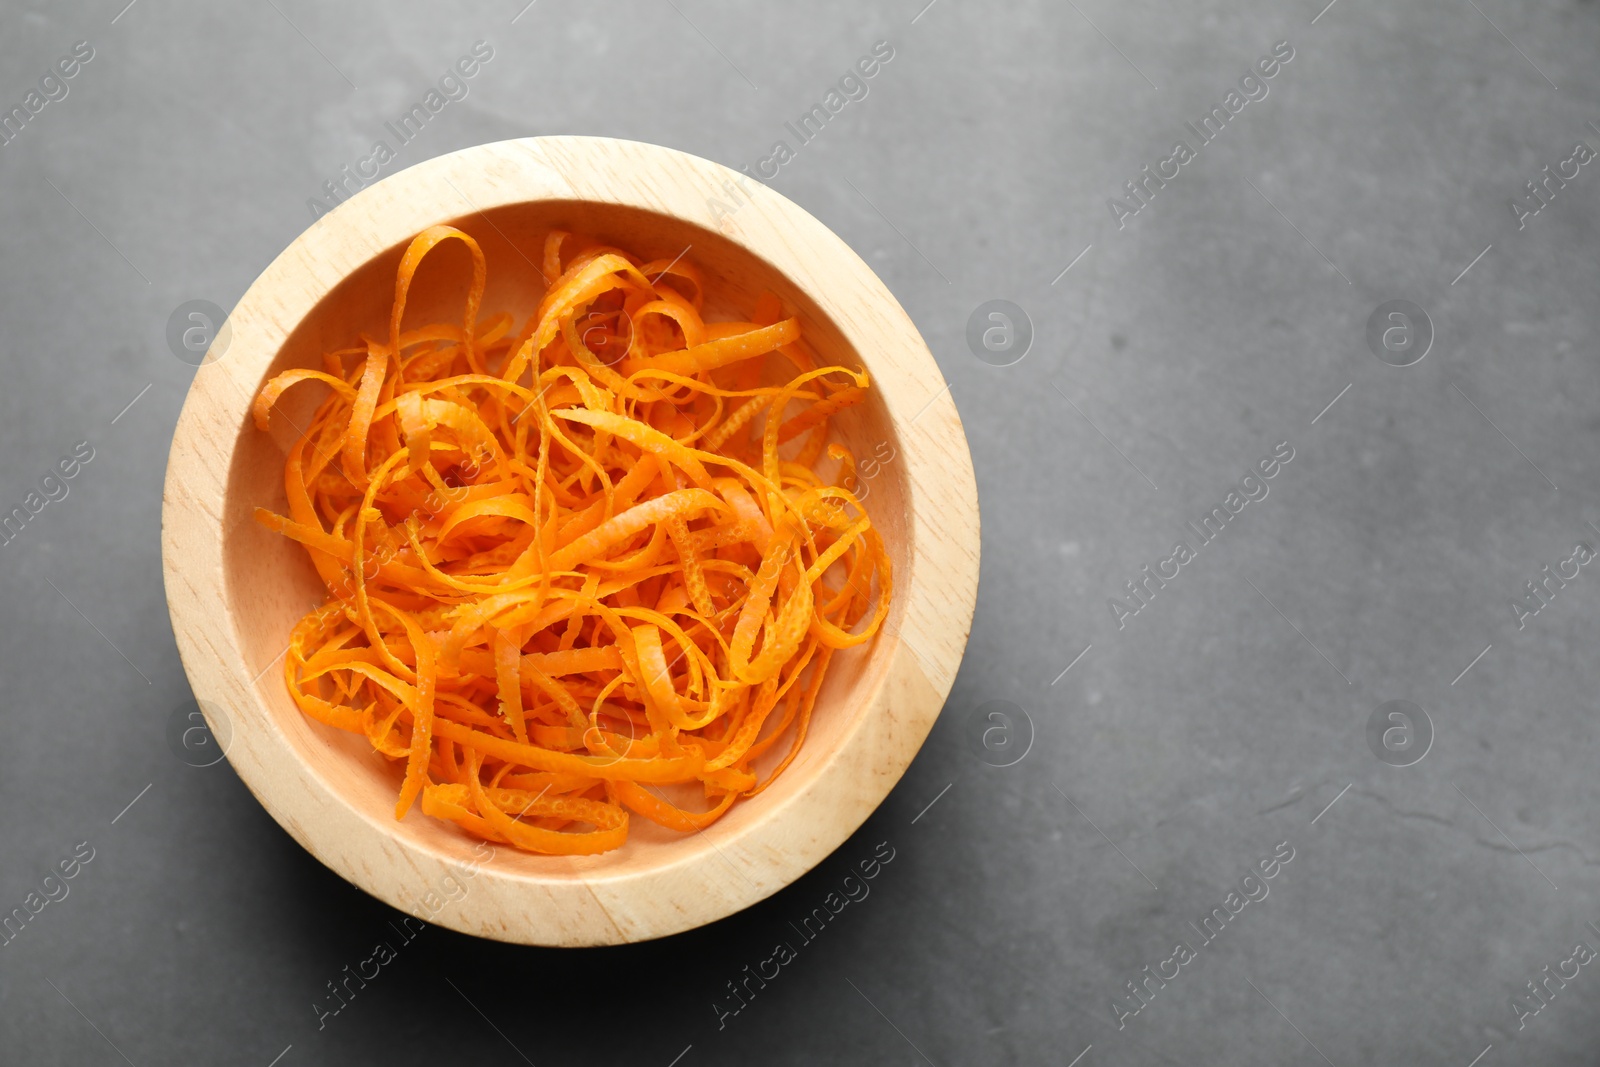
(582, 570)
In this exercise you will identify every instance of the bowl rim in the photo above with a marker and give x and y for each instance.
(564, 904)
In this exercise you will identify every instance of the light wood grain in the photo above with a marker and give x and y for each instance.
(234, 590)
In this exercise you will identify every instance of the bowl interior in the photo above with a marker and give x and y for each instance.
(270, 583)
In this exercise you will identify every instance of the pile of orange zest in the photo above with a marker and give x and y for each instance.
(571, 576)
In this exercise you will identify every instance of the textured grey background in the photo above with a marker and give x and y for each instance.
(1176, 352)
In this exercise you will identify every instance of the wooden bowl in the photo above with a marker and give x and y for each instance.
(234, 589)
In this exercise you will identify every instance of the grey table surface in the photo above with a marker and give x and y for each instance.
(1043, 858)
